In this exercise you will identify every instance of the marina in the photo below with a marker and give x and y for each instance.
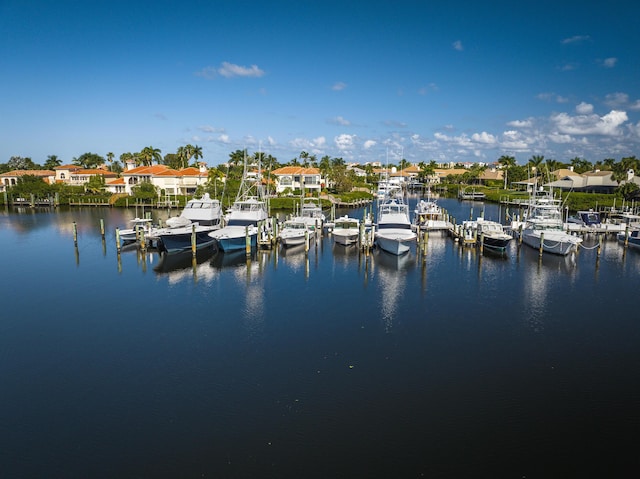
(324, 361)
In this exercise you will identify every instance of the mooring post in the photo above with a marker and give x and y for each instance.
(118, 240)
(481, 243)
(102, 228)
(541, 244)
(193, 240)
(626, 235)
(520, 234)
(75, 233)
(247, 241)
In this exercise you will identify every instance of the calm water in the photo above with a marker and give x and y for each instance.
(333, 365)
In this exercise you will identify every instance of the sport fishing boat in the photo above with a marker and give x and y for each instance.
(191, 228)
(543, 226)
(246, 217)
(393, 230)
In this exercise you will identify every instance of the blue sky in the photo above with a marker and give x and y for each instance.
(365, 81)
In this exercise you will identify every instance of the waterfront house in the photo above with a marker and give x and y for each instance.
(75, 175)
(295, 178)
(172, 182)
(10, 178)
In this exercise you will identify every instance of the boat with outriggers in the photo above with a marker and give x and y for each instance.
(394, 233)
(247, 218)
(543, 228)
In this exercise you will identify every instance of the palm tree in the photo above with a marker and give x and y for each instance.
(197, 153)
(534, 163)
(110, 156)
(52, 162)
(506, 162)
(149, 154)
(304, 156)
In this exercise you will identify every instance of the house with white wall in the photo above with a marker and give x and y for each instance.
(297, 177)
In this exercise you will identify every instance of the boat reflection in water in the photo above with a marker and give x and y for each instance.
(391, 271)
(247, 273)
(184, 265)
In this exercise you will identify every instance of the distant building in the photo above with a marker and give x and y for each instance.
(590, 182)
(297, 177)
(75, 175)
(174, 182)
(11, 178)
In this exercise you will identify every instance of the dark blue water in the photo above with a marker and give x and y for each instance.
(331, 365)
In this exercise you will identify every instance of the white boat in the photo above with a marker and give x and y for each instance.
(294, 232)
(428, 215)
(346, 230)
(205, 211)
(191, 228)
(489, 233)
(138, 225)
(311, 213)
(246, 218)
(393, 230)
(630, 237)
(388, 187)
(543, 226)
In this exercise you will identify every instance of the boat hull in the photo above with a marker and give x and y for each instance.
(234, 238)
(395, 244)
(177, 242)
(558, 243)
(345, 238)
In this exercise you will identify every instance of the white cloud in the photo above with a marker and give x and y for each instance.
(576, 39)
(635, 105)
(339, 120)
(568, 67)
(513, 140)
(224, 139)
(369, 144)
(210, 129)
(344, 141)
(551, 97)
(616, 100)
(590, 124)
(457, 45)
(584, 108)
(339, 86)
(230, 70)
(319, 142)
(609, 62)
(484, 137)
(426, 89)
(521, 123)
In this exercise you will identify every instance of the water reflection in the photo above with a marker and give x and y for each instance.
(391, 273)
(541, 277)
(246, 273)
(183, 266)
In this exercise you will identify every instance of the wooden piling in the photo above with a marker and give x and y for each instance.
(102, 228)
(75, 233)
(247, 241)
(481, 243)
(541, 244)
(626, 236)
(118, 240)
(520, 234)
(193, 240)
